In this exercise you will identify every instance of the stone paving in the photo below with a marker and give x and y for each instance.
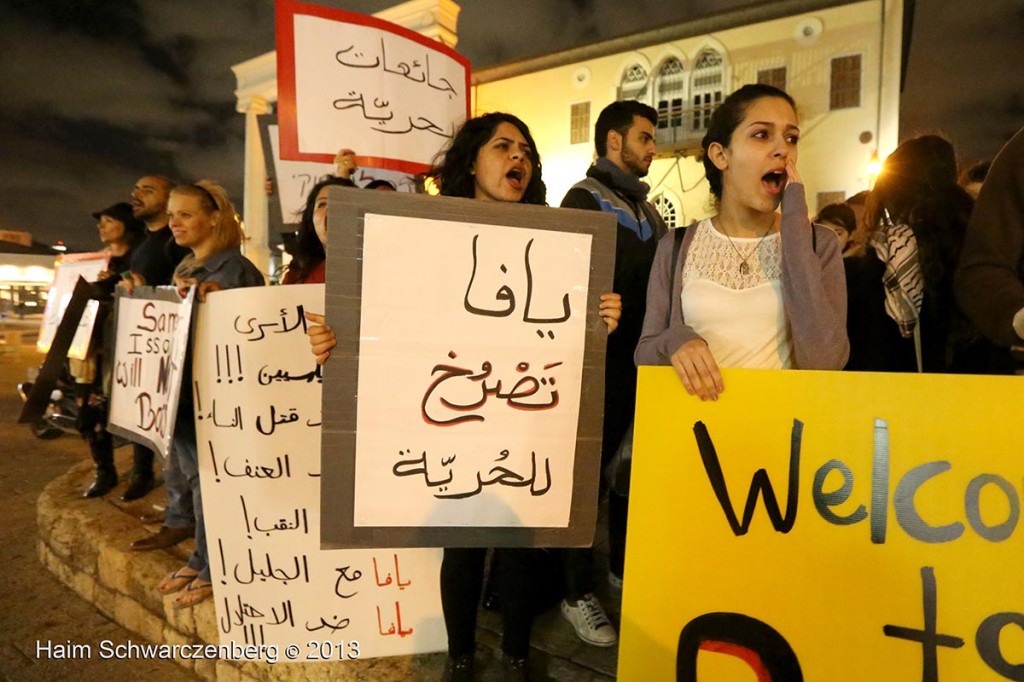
(110, 590)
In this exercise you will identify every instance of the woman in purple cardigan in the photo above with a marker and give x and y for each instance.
(749, 287)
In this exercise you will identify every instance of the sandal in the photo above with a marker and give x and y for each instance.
(198, 590)
(177, 580)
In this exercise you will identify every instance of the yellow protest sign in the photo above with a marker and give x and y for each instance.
(826, 526)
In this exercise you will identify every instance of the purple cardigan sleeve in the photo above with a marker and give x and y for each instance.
(813, 287)
(813, 294)
(659, 341)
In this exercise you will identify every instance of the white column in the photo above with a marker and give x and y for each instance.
(889, 76)
(256, 80)
(255, 209)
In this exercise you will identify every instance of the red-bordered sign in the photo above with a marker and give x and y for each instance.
(352, 80)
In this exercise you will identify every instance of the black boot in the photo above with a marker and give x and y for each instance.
(142, 474)
(514, 669)
(102, 447)
(458, 669)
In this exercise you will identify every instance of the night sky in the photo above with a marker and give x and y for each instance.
(95, 93)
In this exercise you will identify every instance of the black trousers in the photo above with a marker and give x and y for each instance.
(462, 579)
(578, 562)
(142, 461)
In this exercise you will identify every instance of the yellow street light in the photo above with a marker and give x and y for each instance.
(873, 169)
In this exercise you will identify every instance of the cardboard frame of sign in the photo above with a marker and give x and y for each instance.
(379, 240)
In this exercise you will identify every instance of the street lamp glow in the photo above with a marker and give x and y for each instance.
(873, 169)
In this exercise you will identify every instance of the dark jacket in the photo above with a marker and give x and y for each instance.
(157, 256)
(990, 279)
(611, 190)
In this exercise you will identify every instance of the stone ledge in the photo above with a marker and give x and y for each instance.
(85, 544)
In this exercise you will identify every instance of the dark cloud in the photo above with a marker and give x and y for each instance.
(964, 80)
(95, 93)
(118, 21)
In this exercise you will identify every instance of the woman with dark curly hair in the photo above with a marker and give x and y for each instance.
(308, 254)
(491, 158)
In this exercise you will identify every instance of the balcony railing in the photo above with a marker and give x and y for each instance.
(683, 138)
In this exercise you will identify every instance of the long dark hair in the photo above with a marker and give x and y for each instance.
(453, 172)
(726, 118)
(918, 187)
(308, 252)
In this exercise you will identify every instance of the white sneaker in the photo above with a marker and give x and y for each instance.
(590, 621)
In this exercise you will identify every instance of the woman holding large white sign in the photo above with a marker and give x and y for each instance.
(750, 287)
(203, 219)
(491, 158)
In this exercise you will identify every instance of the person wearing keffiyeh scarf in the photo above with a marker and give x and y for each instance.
(896, 247)
(902, 313)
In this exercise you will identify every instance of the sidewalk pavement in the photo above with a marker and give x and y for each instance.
(108, 592)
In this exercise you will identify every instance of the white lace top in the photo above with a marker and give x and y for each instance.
(737, 310)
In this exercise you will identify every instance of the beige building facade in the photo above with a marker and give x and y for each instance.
(839, 61)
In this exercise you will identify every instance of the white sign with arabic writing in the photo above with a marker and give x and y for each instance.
(257, 406)
(149, 359)
(470, 367)
(364, 87)
(294, 179)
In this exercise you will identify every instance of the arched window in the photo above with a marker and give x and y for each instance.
(708, 81)
(670, 90)
(667, 209)
(634, 83)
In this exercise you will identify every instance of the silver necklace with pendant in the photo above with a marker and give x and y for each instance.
(744, 266)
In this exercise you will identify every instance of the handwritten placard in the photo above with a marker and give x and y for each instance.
(37, 402)
(258, 430)
(493, 383)
(67, 270)
(351, 80)
(149, 355)
(773, 537)
(473, 333)
(294, 179)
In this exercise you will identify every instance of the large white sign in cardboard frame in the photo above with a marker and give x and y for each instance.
(447, 261)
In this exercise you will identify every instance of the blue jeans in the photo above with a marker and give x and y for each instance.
(186, 483)
(179, 513)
